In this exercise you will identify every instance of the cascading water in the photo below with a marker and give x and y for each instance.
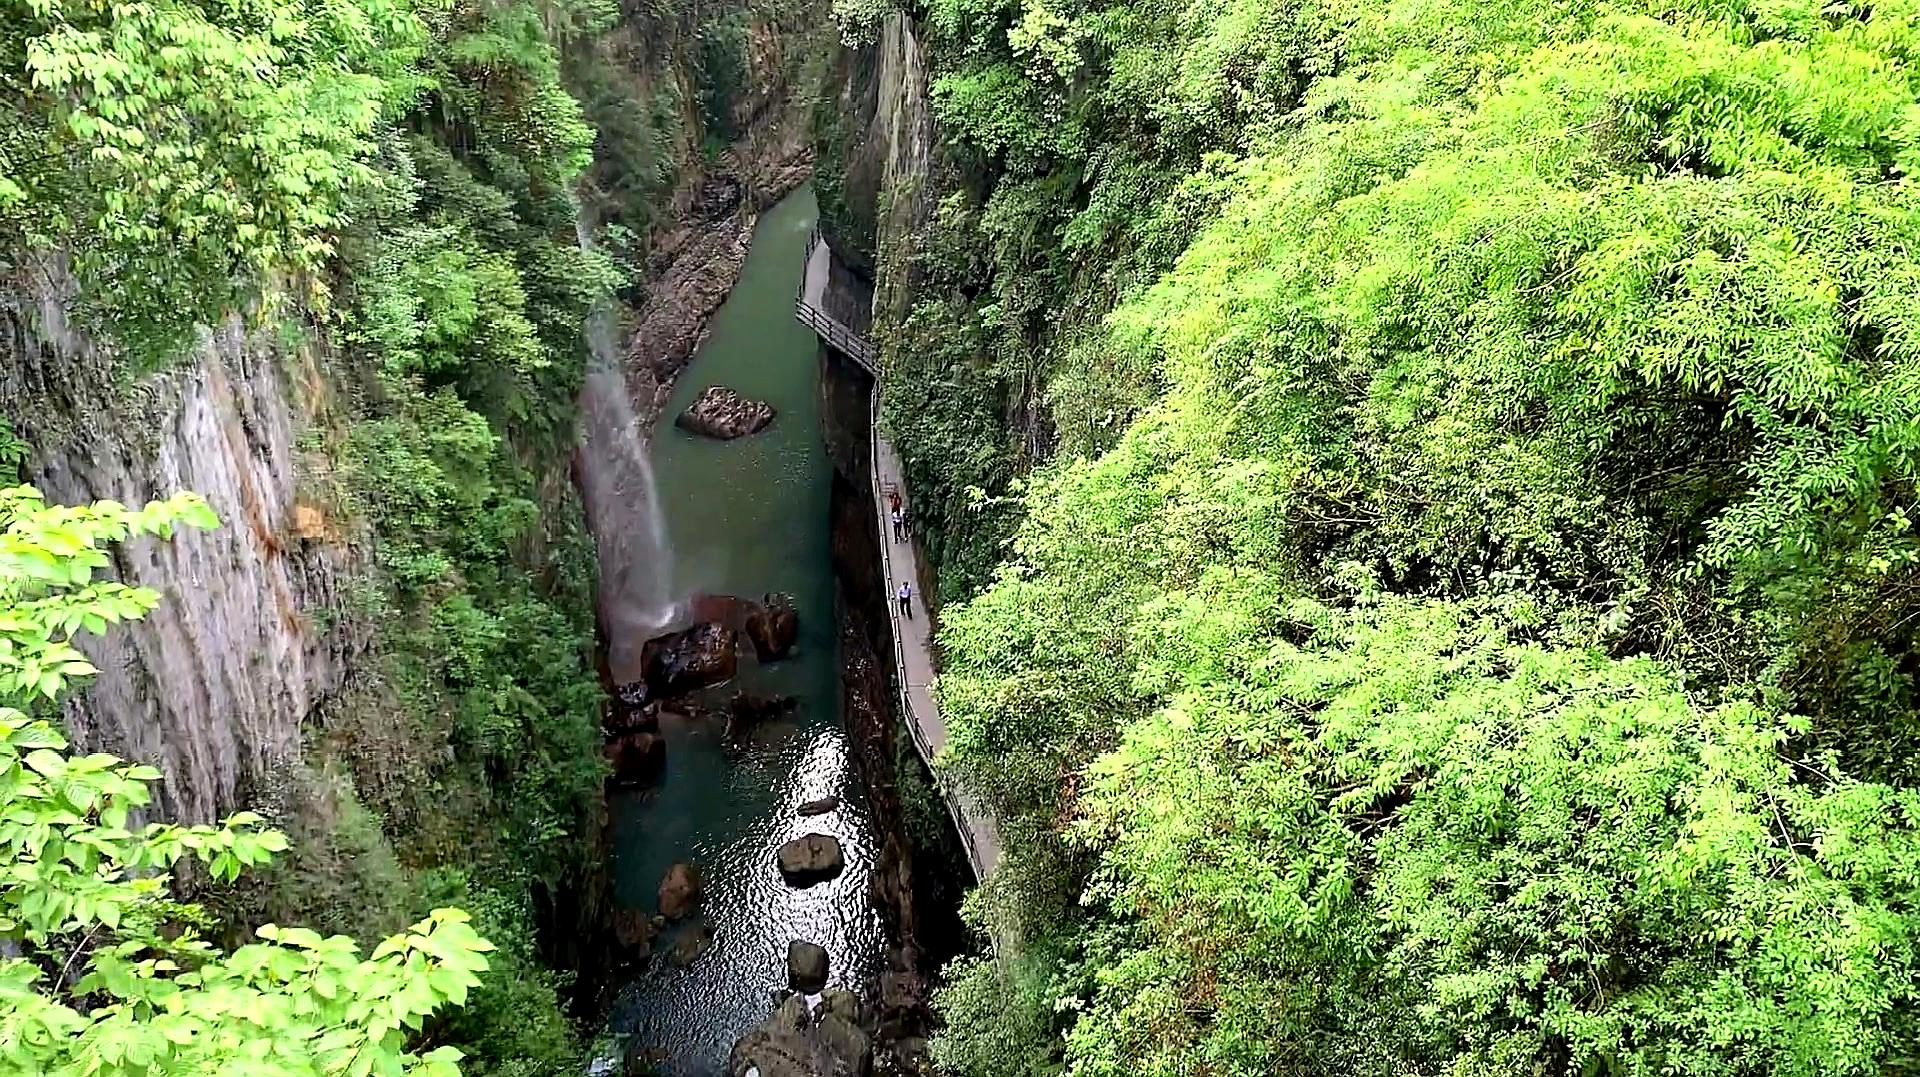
(636, 596)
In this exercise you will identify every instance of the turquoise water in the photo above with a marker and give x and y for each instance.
(747, 517)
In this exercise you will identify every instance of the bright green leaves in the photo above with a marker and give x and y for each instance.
(182, 149)
(1459, 837)
(107, 974)
(1525, 331)
(498, 67)
(48, 558)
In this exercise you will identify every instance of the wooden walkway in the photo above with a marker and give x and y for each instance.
(912, 635)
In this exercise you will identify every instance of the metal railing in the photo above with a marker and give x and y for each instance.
(961, 824)
(862, 351)
(830, 329)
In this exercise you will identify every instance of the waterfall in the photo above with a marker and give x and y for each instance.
(636, 595)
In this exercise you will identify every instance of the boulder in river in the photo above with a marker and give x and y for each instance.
(634, 929)
(695, 940)
(806, 967)
(719, 412)
(819, 807)
(796, 1043)
(773, 626)
(811, 859)
(636, 758)
(681, 662)
(679, 891)
(748, 709)
(846, 1042)
(631, 709)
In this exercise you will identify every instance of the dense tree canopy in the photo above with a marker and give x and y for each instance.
(1471, 627)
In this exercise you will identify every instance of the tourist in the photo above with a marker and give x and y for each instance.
(906, 598)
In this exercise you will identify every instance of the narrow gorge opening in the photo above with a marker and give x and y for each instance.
(731, 738)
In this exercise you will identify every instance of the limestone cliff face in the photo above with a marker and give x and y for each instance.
(879, 146)
(213, 687)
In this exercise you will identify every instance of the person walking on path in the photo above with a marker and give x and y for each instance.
(893, 499)
(906, 599)
(899, 525)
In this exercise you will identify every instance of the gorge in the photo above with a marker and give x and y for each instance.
(1411, 505)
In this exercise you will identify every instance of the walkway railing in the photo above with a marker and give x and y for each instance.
(806, 308)
(982, 849)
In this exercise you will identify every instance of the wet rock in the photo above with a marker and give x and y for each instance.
(846, 1042)
(693, 942)
(773, 626)
(748, 709)
(636, 758)
(843, 1002)
(634, 930)
(722, 413)
(806, 967)
(811, 859)
(794, 1043)
(682, 662)
(819, 807)
(780, 1046)
(687, 712)
(679, 891)
(628, 716)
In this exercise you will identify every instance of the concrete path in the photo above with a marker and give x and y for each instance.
(912, 633)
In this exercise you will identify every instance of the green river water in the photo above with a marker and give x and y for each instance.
(747, 517)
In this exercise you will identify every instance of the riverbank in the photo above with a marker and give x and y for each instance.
(697, 259)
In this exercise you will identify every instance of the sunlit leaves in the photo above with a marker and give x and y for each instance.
(105, 973)
(183, 151)
(1529, 331)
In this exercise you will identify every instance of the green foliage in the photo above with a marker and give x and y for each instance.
(997, 1029)
(49, 556)
(13, 452)
(1472, 629)
(721, 74)
(105, 973)
(176, 153)
(511, 1025)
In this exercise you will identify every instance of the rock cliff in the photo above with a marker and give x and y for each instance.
(213, 687)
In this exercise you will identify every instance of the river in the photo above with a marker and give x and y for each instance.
(747, 517)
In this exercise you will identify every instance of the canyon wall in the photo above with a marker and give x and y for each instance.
(212, 687)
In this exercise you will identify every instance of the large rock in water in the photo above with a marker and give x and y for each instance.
(819, 807)
(681, 662)
(695, 940)
(722, 413)
(634, 930)
(773, 626)
(811, 859)
(748, 709)
(806, 967)
(679, 891)
(795, 1043)
(636, 758)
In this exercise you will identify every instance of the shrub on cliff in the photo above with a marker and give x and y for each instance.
(105, 973)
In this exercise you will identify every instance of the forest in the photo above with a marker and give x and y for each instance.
(1423, 493)
(1421, 497)
(382, 202)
